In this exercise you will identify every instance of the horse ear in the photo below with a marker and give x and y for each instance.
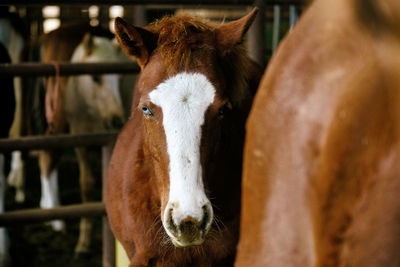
(88, 44)
(136, 42)
(231, 34)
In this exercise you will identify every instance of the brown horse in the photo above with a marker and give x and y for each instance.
(173, 187)
(321, 166)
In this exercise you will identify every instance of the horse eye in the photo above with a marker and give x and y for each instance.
(223, 110)
(97, 79)
(147, 111)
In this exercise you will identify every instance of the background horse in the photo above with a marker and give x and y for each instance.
(79, 104)
(321, 167)
(173, 187)
(13, 35)
(7, 109)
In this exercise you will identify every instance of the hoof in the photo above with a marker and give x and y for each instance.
(20, 196)
(82, 255)
(57, 225)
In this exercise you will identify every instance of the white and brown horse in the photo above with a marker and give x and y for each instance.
(322, 157)
(78, 104)
(173, 187)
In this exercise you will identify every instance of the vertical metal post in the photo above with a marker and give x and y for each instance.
(104, 17)
(256, 37)
(292, 15)
(108, 237)
(275, 34)
(139, 15)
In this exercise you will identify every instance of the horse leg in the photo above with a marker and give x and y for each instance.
(49, 181)
(4, 256)
(87, 182)
(16, 176)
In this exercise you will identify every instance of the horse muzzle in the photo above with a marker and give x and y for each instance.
(188, 228)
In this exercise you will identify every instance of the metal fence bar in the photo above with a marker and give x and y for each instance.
(56, 141)
(45, 69)
(11, 218)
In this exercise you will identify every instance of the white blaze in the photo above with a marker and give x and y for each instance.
(184, 100)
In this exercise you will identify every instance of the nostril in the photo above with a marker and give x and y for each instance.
(207, 217)
(171, 224)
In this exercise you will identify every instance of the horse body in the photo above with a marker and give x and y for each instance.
(98, 95)
(80, 104)
(176, 165)
(322, 146)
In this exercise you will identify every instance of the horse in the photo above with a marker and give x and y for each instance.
(173, 186)
(13, 35)
(78, 104)
(7, 108)
(321, 158)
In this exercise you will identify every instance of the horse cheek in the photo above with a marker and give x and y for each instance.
(159, 158)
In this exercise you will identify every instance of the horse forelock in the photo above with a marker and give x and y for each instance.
(184, 42)
(178, 36)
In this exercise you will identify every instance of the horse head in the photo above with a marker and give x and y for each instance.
(191, 101)
(99, 94)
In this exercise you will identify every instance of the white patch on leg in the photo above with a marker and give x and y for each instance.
(184, 99)
(50, 198)
(16, 176)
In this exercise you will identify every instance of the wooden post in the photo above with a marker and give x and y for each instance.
(256, 37)
(108, 237)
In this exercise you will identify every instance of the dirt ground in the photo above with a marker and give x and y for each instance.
(37, 245)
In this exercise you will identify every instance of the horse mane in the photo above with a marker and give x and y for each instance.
(180, 35)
